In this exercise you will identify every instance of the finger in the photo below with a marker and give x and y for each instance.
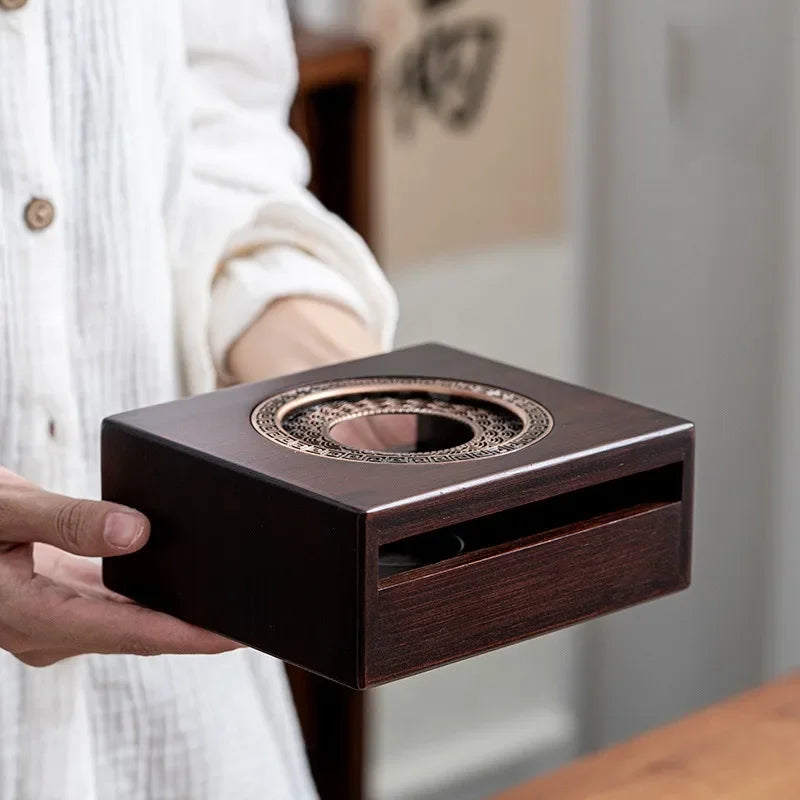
(55, 618)
(83, 527)
(82, 575)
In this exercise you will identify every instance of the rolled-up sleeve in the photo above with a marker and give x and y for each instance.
(251, 233)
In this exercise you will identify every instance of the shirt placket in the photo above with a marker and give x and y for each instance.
(35, 218)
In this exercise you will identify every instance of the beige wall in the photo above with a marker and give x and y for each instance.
(442, 190)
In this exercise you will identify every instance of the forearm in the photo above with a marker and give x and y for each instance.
(298, 333)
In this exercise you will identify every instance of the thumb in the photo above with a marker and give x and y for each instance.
(83, 527)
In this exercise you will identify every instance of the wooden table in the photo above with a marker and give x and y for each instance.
(747, 748)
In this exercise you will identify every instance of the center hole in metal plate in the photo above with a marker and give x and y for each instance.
(401, 433)
(401, 420)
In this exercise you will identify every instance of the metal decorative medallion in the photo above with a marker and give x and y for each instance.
(468, 420)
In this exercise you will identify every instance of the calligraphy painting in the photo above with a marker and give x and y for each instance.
(471, 123)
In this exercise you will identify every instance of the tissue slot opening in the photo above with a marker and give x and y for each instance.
(595, 504)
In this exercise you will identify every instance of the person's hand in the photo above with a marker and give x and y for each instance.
(53, 605)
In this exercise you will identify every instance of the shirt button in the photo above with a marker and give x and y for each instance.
(39, 213)
(12, 5)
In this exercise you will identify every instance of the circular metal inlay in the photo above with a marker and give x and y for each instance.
(499, 421)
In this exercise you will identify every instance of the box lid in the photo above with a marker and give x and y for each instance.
(588, 430)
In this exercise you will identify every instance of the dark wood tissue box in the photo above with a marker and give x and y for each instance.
(384, 516)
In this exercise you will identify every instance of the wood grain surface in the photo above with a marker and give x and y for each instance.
(595, 438)
(279, 549)
(747, 748)
(535, 586)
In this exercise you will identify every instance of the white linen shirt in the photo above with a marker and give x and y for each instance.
(157, 131)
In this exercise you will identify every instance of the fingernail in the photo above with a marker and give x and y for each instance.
(122, 530)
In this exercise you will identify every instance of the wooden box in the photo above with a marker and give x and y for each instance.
(384, 516)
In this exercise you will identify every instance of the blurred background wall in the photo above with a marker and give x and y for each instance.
(617, 210)
(688, 254)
